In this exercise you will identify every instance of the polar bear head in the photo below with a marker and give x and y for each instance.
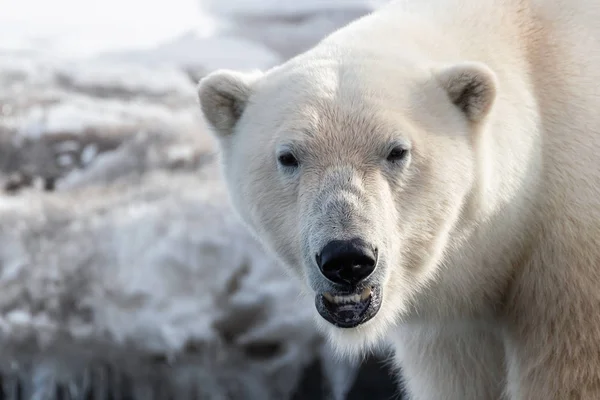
(353, 172)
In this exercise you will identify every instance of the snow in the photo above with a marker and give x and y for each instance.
(155, 81)
(77, 115)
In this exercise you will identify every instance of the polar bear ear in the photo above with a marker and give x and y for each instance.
(471, 86)
(223, 96)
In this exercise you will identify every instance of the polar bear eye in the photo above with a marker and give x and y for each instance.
(287, 159)
(398, 153)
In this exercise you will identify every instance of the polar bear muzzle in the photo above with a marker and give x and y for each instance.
(351, 299)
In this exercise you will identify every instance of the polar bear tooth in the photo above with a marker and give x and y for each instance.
(340, 299)
(355, 298)
(365, 293)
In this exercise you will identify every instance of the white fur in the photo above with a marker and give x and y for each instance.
(489, 233)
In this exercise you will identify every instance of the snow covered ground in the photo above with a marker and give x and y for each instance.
(121, 262)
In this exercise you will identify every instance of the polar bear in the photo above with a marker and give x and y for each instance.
(430, 172)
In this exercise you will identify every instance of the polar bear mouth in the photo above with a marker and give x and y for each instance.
(349, 310)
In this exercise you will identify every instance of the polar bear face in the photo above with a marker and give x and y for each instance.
(354, 174)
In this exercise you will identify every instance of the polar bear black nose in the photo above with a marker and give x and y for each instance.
(347, 262)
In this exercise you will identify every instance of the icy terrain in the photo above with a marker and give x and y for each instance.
(123, 271)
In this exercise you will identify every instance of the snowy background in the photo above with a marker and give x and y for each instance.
(123, 272)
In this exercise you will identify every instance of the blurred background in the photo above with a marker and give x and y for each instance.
(124, 274)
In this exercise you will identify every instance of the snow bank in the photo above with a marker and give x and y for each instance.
(152, 263)
(56, 115)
